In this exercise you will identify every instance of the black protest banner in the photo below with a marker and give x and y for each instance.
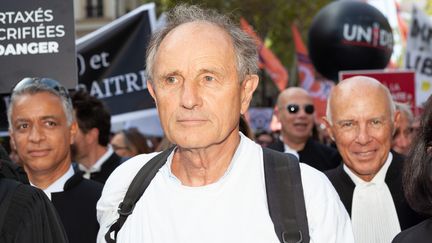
(111, 62)
(37, 39)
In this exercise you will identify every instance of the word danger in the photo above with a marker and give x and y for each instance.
(30, 48)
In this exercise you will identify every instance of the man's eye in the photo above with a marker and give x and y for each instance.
(22, 126)
(171, 80)
(209, 78)
(346, 124)
(376, 122)
(51, 123)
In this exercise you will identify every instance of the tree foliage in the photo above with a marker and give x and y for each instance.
(272, 21)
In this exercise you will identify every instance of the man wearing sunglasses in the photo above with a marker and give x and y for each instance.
(295, 112)
(42, 128)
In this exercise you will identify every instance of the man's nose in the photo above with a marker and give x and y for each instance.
(190, 95)
(36, 134)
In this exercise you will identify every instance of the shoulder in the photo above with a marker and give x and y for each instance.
(118, 182)
(419, 233)
(312, 177)
(322, 200)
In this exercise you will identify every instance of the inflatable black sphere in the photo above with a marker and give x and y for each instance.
(349, 35)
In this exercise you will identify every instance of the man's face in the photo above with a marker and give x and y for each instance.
(296, 126)
(40, 133)
(403, 135)
(196, 86)
(362, 129)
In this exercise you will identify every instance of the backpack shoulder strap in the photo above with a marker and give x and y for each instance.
(285, 196)
(136, 189)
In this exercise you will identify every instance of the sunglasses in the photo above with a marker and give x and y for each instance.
(45, 82)
(294, 108)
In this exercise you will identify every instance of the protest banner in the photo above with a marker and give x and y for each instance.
(111, 64)
(400, 83)
(37, 39)
(318, 89)
(267, 59)
(419, 54)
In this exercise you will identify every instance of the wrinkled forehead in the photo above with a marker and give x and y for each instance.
(355, 103)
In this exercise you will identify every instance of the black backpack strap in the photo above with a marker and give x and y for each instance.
(136, 189)
(285, 196)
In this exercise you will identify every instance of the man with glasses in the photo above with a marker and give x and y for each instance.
(42, 128)
(295, 112)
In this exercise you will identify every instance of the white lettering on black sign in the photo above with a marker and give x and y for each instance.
(29, 32)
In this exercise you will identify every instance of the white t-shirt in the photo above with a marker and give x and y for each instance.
(234, 209)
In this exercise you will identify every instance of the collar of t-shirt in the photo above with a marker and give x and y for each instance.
(58, 185)
(98, 165)
(227, 172)
(289, 150)
(379, 178)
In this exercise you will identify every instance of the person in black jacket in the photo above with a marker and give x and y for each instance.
(295, 111)
(42, 128)
(417, 177)
(369, 182)
(26, 214)
(92, 151)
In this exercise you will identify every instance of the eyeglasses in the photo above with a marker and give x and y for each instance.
(118, 147)
(46, 82)
(294, 108)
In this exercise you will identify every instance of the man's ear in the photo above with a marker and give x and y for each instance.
(73, 131)
(92, 135)
(151, 89)
(329, 128)
(12, 140)
(248, 86)
(396, 121)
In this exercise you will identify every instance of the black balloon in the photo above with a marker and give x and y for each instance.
(349, 35)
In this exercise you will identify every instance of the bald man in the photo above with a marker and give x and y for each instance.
(295, 111)
(360, 119)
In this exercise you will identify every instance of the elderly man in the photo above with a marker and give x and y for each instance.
(369, 181)
(295, 112)
(202, 74)
(42, 128)
(403, 135)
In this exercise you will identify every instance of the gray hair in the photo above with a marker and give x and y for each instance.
(405, 108)
(386, 91)
(34, 86)
(244, 46)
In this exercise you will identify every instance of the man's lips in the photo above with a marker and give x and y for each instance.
(365, 154)
(39, 152)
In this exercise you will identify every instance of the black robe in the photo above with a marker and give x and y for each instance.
(27, 215)
(315, 154)
(76, 206)
(345, 188)
(106, 169)
(420, 233)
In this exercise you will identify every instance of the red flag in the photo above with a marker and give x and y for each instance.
(319, 90)
(267, 59)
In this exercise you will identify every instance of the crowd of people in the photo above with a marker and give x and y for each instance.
(367, 178)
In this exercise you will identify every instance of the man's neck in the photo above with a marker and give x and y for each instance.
(200, 167)
(44, 179)
(295, 144)
(93, 156)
